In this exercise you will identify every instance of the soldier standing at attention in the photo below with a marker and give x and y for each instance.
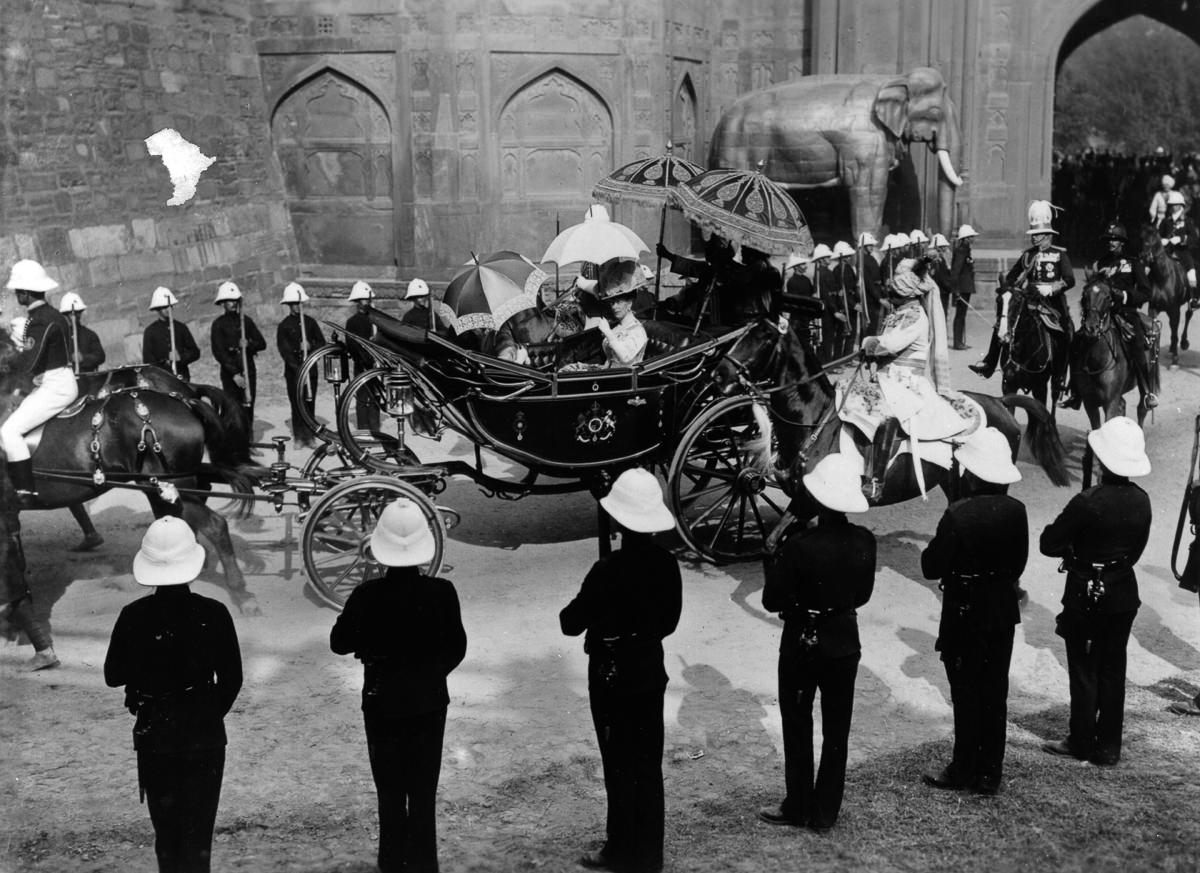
(822, 575)
(156, 340)
(871, 282)
(366, 413)
(294, 346)
(91, 351)
(1100, 535)
(629, 602)
(177, 655)
(962, 281)
(228, 342)
(407, 630)
(979, 553)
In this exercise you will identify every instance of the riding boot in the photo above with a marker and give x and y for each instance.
(1068, 399)
(987, 366)
(1141, 373)
(20, 473)
(878, 457)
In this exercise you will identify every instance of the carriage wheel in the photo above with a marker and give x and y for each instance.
(724, 506)
(326, 395)
(335, 539)
(376, 450)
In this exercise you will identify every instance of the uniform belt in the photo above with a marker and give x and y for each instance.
(1087, 568)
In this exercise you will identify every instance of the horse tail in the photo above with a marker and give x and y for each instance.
(226, 463)
(760, 447)
(233, 421)
(241, 479)
(1042, 437)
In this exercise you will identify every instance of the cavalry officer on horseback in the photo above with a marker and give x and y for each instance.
(44, 339)
(1129, 294)
(1179, 239)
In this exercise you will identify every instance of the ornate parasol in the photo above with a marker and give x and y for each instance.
(596, 239)
(489, 290)
(647, 181)
(746, 207)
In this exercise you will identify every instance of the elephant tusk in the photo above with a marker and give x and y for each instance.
(944, 160)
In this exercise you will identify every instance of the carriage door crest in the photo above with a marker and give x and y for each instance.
(597, 425)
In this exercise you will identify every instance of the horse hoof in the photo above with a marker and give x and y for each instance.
(89, 542)
(1174, 365)
(1185, 345)
(248, 606)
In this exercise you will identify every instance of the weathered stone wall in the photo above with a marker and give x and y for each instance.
(83, 84)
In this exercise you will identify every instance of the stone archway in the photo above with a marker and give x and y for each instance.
(555, 142)
(333, 140)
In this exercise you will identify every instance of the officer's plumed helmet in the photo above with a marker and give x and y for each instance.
(228, 291)
(1041, 213)
(162, 297)
(31, 276)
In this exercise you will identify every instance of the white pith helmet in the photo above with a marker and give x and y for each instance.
(866, 238)
(360, 290)
(966, 232)
(1174, 198)
(294, 293)
(228, 291)
(794, 259)
(918, 236)
(416, 288)
(843, 249)
(821, 251)
(71, 302)
(29, 275)
(939, 242)
(901, 240)
(162, 297)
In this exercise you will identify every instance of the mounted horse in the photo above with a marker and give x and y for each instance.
(139, 435)
(804, 419)
(1037, 348)
(1168, 287)
(1102, 372)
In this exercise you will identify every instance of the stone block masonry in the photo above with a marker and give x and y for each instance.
(82, 85)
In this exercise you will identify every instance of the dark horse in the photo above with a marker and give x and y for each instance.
(1100, 369)
(807, 427)
(1038, 343)
(133, 436)
(1168, 287)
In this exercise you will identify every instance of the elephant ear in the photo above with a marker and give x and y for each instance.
(891, 106)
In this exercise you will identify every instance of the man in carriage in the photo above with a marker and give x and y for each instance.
(1179, 239)
(1130, 292)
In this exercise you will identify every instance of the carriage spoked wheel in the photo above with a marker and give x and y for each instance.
(335, 539)
(375, 449)
(725, 503)
(325, 395)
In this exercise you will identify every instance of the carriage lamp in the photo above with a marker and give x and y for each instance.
(335, 366)
(398, 393)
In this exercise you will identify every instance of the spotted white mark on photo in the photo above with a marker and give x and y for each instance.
(184, 161)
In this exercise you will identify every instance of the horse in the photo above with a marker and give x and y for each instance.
(1168, 287)
(803, 418)
(1033, 350)
(136, 436)
(1101, 372)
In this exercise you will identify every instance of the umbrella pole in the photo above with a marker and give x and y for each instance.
(662, 229)
(557, 231)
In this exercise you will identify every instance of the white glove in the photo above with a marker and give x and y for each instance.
(1175, 240)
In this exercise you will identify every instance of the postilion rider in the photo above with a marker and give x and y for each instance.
(44, 339)
(913, 373)
(1129, 294)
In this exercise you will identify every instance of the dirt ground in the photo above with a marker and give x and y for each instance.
(521, 787)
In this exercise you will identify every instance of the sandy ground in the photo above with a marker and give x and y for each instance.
(521, 786)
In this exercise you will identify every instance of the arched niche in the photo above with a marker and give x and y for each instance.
(684, 122)
(333, 140)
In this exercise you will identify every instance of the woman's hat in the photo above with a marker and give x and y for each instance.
(29, 275)
(987, 454)
(619, 277)
(402, 537)
(966, 231)
(635, 501)
(228, 291)
(836, 483)
(1121, 447)
(162, 297)
(169, 554)
(294, 293)
(360, 290)
(821, 251)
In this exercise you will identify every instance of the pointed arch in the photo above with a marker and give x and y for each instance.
(685, 127)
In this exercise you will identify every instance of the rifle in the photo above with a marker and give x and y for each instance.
(860, 322)
(247, 396)
(307, 387)
(171, 333)
(75, 337)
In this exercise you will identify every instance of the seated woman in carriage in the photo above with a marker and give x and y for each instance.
(625, 343)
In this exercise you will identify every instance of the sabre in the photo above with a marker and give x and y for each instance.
(303, 346)
(75, 337)
(247, 397)
(171, 333)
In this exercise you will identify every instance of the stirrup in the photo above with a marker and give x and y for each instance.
(872, 488)
(1150, 400)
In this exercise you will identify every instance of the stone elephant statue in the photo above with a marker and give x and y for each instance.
(848, 131)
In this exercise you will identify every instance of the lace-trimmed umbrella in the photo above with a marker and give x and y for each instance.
(595, 240)
(489, 290)
(746, 207)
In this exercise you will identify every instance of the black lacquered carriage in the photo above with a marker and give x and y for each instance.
(571, 429)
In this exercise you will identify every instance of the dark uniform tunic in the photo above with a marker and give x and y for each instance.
(750, 291)
(177, 655)
(822, 575)
(290, 342)
(366, 413)
(979, 553)
(1100, 535)
(91, 352)
(873, 287)
(407, 630)
(1134, 292)
(962, 283)
(629, 601)
(1181, 227)
(939, 271)
(1036, 267)
(47, 336)
(226, 348)
(156, 347)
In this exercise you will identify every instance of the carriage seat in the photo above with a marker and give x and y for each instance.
(665, 337)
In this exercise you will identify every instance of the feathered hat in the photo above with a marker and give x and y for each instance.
(1041, 214)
